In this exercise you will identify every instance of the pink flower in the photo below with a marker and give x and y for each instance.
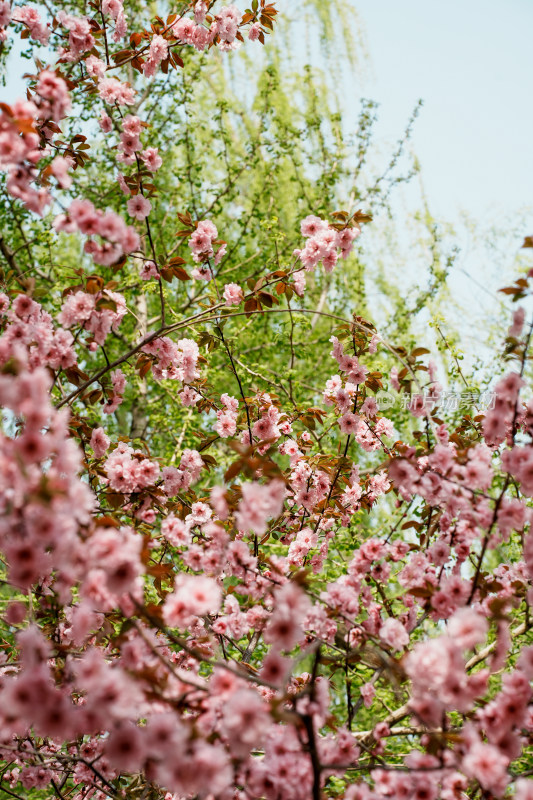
(200, 513)
(77, 308)
(227, 20)
(151, 158)
(523, 789)
(15, 613)
(176, 531)
(494, 427)
(275, 668)
(99, 442)
(467, 628)
(299, 283)
(132, 124)
(518, 323)
(258, 503)
(349, 423)
(233, 294)
(393, 633)
(219, 255)
(226, 424)
(394, 379)
(95, 67)
(124, 748)
(113, 91)
(139, 207)
(284, 627)
(370, 407)
(105, 122)
(118, 380)
(312, 254)
(357, 373)
(189, 397)
(200, 11)
(184, 29)
(201, 241)
(488, 765)
(32, 19)
(254, 32)
(60, 167)
(218, 502)
(245, 721)
(312, 225)
(158, 49)
(112, 7)
(148, 270)
(194, 595)
(5, 13)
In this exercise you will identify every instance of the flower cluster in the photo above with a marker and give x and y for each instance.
(324, 243)
(201, 245)
(115, 237)
(173, 360)
(20, 144)
(97, 313)
(29, 334)
(31, 19)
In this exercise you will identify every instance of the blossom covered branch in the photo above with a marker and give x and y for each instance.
(244, 608)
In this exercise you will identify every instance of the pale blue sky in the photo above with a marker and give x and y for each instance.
(471, 61)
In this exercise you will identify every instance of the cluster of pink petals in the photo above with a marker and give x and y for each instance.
(20, 150)
(197, 35)
(30, 334)
(201, 241)
(224, 28)
(259, 503)
(324, 243)
(226, 424)
(118, 382)
(254, 31)
(139, 207)
(174, 360)
(112, 91)
(114, 567)
(151, 158)
(233, 294)
(82, 308)
(367, 427)
(227, 24)
(129, 470)
(130, 142)
(148, 270)
(285, 625)
(499, 419)
(99, 442)
(5, 18)
(29, 17)
(233, 717)
(180, 478)
(193, 596)
(116, 238)
(38, 538)
(80, 39)
(157, 52)
(115, 9)
(270, 426)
